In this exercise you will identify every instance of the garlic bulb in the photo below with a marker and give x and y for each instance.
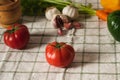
(50, 12)
(71, 12)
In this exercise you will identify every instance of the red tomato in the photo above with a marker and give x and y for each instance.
(16, 36)
(59, 54)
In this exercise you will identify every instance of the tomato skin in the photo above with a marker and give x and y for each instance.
(16, 36)
(59, 56)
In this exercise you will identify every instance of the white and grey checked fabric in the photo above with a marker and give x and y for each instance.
(97, 53)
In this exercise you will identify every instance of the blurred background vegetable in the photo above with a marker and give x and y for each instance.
(113, 23)
(38, 7)
(102, 14)
(109, 6)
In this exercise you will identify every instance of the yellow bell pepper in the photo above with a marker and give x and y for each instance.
(110, 5)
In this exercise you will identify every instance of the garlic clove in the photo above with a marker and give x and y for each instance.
(68, 25)
(77, 25)
(60, 31)
(71, 12)
(50, 12)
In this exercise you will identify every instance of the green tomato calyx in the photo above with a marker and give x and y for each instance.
(58, 45)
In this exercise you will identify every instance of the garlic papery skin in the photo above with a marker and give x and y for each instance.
(50, 12)
(71, 12)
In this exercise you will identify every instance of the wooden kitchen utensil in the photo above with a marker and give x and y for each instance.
(10, 12)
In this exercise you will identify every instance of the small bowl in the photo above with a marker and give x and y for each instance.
(10, 13)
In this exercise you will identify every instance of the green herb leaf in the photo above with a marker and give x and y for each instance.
(38, 7)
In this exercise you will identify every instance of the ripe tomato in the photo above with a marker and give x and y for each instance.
(59, 54)
(16, 36)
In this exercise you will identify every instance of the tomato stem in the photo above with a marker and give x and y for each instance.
(12, 30)
(58, 45)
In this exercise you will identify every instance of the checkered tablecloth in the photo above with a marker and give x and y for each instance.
(97, 53)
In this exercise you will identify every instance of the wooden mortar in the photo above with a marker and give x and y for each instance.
(10, 13)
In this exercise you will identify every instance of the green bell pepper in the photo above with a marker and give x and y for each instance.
(113, 22)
